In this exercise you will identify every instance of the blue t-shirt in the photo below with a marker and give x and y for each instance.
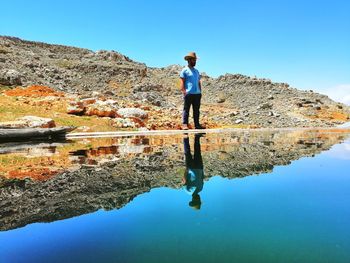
(194, 181)
(192, 78)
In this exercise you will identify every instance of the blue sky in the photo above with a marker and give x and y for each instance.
(304, 43)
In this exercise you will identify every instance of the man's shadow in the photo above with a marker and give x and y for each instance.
(194, 175)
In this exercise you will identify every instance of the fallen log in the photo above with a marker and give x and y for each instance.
(33, 134)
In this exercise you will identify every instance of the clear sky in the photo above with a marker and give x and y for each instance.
(305, 43)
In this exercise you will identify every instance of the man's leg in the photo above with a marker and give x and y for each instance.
(196, 105)
(187, 148)
(186, 110)
(188, 155)
(197, 156)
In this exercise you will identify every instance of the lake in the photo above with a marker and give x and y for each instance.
(245, 196)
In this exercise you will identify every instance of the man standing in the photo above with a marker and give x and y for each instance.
(191, 89)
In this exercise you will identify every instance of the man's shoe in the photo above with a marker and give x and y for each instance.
(200, 127)
(185, 127)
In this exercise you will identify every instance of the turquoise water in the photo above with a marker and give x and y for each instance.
(296, 213)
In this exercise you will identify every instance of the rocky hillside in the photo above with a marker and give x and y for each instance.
(227, 100)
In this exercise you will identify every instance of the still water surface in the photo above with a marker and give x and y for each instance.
(272, 197)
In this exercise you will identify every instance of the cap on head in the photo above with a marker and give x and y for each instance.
(190, 55)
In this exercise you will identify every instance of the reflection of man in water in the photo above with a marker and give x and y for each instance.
(193, 177)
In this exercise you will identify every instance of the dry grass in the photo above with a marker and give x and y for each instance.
(16, 107)
(122, 89)
(65, 63)
(4, 50)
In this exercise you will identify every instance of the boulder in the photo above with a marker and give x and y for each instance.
(10, 77)
(29, 122)
(147, 87)
(76, 107)
(102, 109)
(232, 114)
(132, 113)
(76, 110)
(111, 55)
(123, 123)
(91, 106)
(38, 122)
(265, 106)
(220, 100)
(88, 101)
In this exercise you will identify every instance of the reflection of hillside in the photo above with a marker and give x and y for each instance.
(259, 152)
(112, 175)
(41, 161)
(36, 160)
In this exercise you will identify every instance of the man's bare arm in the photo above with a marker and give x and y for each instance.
(182, 86)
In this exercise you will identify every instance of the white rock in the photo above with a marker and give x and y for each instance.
(132, 112)
(37, 122)
(123, 123)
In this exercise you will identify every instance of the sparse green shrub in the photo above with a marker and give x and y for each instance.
(64, 63)
(4, 50)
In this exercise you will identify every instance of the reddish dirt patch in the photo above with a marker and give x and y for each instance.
(331, 115)
(34, 91)
(339, 116)
(38, 174)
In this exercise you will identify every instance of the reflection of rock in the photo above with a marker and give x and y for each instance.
(32, 160)
(116, 183)
(39, 174)
(125, 149)
(41, 152)
(26, 149)
(106, 154)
